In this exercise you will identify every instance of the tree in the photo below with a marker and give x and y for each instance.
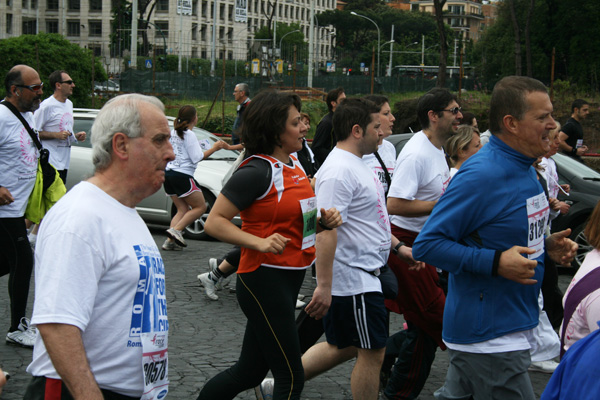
(39, 52)
(438, 5)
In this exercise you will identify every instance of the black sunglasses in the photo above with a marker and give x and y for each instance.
(33, 88)
(69, 82)
(454, 110)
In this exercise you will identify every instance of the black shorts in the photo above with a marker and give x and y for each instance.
(179, 184)
(359, 321)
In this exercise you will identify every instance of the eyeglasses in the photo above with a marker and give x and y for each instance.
(69, 82)
(454, 110)
(33, 88)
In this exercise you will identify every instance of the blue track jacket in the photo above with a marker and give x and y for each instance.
(483, 210)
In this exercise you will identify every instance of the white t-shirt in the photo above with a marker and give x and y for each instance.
(364, 238)
(55, 116)
(421, 173)
(587, 314)
(18, 161)
(188, 153)
(387, 152)
(98, 268)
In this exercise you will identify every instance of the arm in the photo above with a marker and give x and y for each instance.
(331, 219)
(219, 226)
(218, 145)
(65, 348)
(569, 149)
(62, 135)
(560, 248)
(80, 136)
(409, 208)
(321, 300)
(405, 254)
(5, 196)
(238, 147)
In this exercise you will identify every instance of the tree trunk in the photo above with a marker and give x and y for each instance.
(528, 39)
(439, 18)
(513, 15)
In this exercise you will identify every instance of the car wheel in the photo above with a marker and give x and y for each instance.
(578, 236)
(195, 230)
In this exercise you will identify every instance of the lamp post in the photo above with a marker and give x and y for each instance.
(235, 41)
(281, 40)
(311, 43)
(378, 38)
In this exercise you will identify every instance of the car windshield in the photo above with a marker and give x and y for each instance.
(207, 139)
(576, 167)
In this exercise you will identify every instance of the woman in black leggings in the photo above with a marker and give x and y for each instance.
(277, 205)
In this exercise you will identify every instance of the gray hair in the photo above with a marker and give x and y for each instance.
(119, 114)
(244, 88)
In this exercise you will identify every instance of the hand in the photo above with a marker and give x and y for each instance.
(554, 204)
(405, 254)
(563, 207)
(273, 244)
(566, 187)
(5, 197)
(219, 144)
(313, 182)
(62, 135)
(331, 218)
(80, 136)
(2, 379)
(560, 248)
(320, 302)
(582, 150)
(514, 266)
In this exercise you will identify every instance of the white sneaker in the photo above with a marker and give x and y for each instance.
(301, 297)
(547, 367)
(24, 336)
(299, 304)
(209, 286)
(170, 245)
(177, 236)
(264, 391)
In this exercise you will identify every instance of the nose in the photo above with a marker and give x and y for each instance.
(170, 154)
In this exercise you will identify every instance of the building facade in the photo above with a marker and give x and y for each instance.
(88, 24)
(464, 16)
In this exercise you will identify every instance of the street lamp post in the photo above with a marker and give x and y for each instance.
(378, 38)
(281, 40)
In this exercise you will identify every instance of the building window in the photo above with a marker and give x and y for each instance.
(230, 35)
(195, 7)
(162, 6)
(230, 55)
(9, 23)
(96, 49)
(95, 5)
(8, 3)
(221, 34)
(52, 4)
(194, 32)
(73, 28)
(203, 54)
(29, 27)
(51, 26)
(231, 13)
(74, 5)
(194, 52)
(203, 33)
(164, 27)
(222, 12)
(204, 8)
(34, 4)
(95, 28)
(25, 4)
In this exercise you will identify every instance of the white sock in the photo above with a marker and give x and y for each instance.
(32, 237)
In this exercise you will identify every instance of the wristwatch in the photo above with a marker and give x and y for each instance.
(397, 247)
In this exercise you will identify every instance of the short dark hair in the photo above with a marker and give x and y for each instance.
(378, 99)
(467, 118)
(508, 98)
(185, 115)
(578, 103)
(244, 88)
(13, 77)
(56, 77)
(333, 95)
(265, 120)
(435, 100)
(352, 112)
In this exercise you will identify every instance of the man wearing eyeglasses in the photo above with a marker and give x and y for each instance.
(421, 176)
(54, 121)
(18, 166)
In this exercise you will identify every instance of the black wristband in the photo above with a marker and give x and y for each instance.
(574, 151)
(397, 247)
(496, 263)
(322, 225)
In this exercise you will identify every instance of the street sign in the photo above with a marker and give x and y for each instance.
(185, 5)
(148, 63)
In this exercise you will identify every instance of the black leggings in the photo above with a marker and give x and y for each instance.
(16, 259)
(267, 297)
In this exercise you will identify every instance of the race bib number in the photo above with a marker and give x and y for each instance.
(538, 212)
(579, 143)
(155, 367)
(309, 214)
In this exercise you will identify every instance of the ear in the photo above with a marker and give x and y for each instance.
(433, 116)
(121, 145)
(510, 124)
(357, 131)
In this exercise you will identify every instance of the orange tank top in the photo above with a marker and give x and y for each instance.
(288, 207)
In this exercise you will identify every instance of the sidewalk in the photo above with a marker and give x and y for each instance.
(205, 336)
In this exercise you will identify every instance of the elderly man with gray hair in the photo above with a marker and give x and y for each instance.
(100, 304)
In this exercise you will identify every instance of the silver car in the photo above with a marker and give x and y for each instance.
(158, 208)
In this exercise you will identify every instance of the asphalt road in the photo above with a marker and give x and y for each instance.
(205, 336)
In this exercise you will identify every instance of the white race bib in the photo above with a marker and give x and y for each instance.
(538, 212)
(309, 214)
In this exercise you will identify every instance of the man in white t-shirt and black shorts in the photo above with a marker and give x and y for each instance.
(421, 176)
(100, 305)
(54, 121)
(350, 257)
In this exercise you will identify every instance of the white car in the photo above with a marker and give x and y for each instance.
(158, 208)
(107, 86)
